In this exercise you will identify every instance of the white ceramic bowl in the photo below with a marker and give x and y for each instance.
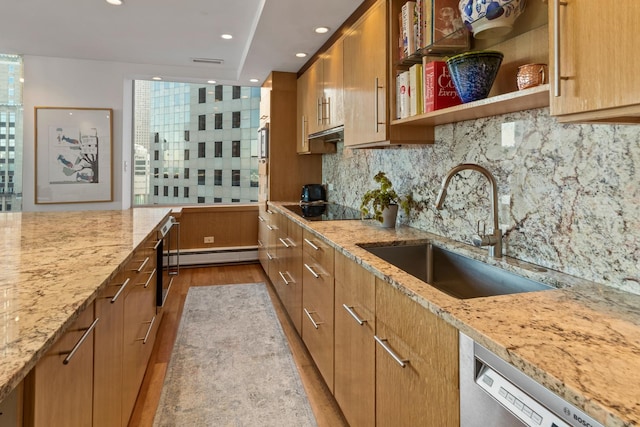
(488, 19)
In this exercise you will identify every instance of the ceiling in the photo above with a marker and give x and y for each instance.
(171, 33)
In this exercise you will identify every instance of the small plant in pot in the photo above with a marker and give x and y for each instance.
(383, 202)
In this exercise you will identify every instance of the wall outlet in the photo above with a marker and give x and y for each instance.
(208, 239)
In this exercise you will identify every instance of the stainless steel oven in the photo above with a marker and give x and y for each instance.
(494, 393)
(168, 258)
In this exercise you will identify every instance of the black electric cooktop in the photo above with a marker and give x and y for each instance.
(324, 211)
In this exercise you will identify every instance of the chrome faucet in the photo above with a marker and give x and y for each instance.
(493, 241)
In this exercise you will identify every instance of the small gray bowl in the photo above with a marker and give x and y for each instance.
(473, 73)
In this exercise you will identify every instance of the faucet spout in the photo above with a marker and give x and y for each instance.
(494, 241)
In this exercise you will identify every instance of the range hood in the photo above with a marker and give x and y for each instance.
(335, 134)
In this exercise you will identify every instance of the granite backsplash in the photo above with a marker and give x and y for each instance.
(569, 195)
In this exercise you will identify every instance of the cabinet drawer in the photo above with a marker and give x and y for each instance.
(319, 250)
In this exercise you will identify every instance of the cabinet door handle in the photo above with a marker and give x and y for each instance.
(284, 279)
(260, 218)
(312, 271)
(146, 336)
(155, 247)
(153, 273)
(556, 47)
(353, 314)
(376, 110)
(303, 141)
(310, 243)
(319, 111)
(80, 341)
(284, 242)
(309, 313)
(270, 227)
(394, 356)
(124, 285)
(269, 256)
(144, 263)
(260, 244)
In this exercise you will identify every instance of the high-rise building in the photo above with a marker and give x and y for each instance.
(10, 133)
(200, 142)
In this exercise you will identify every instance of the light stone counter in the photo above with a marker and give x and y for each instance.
(53, 265)
(582, 340)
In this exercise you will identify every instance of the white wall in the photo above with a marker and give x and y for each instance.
(64, 82)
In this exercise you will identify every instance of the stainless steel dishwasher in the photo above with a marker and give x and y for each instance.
(495, 393)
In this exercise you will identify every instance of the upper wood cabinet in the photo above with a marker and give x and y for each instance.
(596, 76)
(320, 100)
(368, 87)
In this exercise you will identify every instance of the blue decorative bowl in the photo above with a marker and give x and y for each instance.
(473, 73)
(488, 19)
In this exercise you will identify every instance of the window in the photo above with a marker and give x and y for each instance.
(186, 154)
(200, 199)
(155, 190)
(156, 172)
(217, 177)
(175, 192)
(235, 178)
(235, 148)
(186, 192)
(217, 200)
(186, 135)
(201, 176)
(186, 173)
(218, 121)
(202, 150)
(236, 92)
(165, 191)
(202, 122)
(156, 137)
(218, 93)
(218, 149)
(235, 119)
(156, 155)
(235, 200)
(202, 95)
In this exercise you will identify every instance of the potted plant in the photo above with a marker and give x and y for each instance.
(383, 202)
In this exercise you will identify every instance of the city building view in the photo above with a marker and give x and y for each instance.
(10, 132)
(195, 144)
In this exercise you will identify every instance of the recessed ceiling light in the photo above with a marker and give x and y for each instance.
(156, 78)
(115, 2)
(227, 36)
(211, 82)
(322, 30)
(254, 80)
(301, 54)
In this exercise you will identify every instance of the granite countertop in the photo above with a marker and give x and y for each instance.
(581, 340)
(53, 265)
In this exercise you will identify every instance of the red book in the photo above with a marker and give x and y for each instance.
(439, 91)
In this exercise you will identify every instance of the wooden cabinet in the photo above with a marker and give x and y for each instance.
(317, 303)
(59, 389)
(320, 100)
(263, 238)
(416, 363)
(594, 65)
(107, 369)
(11, 409)
(139, 324)
(368, 87)
(354, 383)
(289, 283)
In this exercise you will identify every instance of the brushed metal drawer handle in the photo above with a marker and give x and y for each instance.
(271, 257)
(308, 267)
(260, 218)
(309, 313)
(80, 342)
(270, 227)
(260, 244)
(124, 285)
(155, 247)
(354, 315)
(153, 273)
(146, 336)
(144, 263)
(310, 243)
(394, 356)
(284, 279)
(284, 242)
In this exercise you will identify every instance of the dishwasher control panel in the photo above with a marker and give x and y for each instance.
(515, 400)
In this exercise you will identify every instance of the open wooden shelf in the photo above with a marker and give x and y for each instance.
(527, 99)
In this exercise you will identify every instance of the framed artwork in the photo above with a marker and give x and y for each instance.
(73, 155)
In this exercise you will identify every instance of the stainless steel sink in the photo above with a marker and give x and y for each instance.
(454, 274)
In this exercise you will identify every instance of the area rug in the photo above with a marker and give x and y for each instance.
(231, 365)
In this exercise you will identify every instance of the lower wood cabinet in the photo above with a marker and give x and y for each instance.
(416, 363)
(354, 378)
(58, 391)
(289, 283)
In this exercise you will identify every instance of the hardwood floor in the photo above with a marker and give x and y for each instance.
(324, 406)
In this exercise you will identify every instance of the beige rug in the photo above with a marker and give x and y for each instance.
(231, 364)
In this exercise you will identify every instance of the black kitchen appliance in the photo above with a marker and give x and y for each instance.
(324, 211)
(313, 193)
(168, 258)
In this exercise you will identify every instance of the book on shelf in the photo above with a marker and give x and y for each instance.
(442, 27)
(404, 103)
(408, 29)
(415, 89)
(438, 89)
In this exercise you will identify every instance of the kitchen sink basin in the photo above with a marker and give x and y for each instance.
(452, 273)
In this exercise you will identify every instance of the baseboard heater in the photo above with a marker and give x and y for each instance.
(211, 256)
